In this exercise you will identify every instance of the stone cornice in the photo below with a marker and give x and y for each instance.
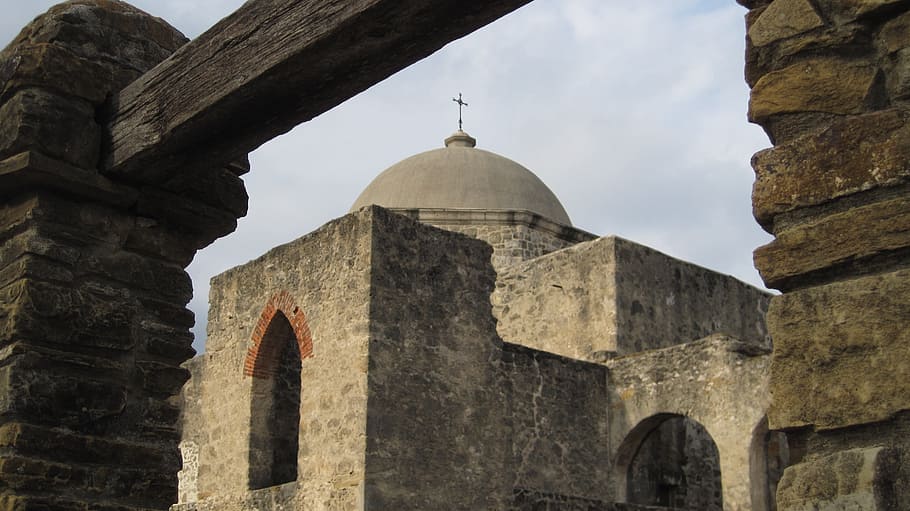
(447, 217)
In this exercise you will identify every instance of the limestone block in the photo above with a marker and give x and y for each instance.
(895, 34)
(898, 80)
(149, 236)
(165, 340)
(846, 237)
(30, 241)
(782, 19)
(31, 266)
(846, 11)
(433, 335)
(841, 353)
(199, 218)
(32, 440)
(829, 85)
(63, 128)
(613, 295)
(852, 154)
(104, 33)
(66, 315)
(782, 51)
(29, 170)
(55, 67)
(216, 187)
(327, 276)
(59, 393)
(853, 479)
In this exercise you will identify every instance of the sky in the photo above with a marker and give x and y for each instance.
(632, 111)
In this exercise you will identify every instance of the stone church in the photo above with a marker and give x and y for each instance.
(465, 347)
(384, 363)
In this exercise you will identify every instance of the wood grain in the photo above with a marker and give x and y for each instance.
(268, 67)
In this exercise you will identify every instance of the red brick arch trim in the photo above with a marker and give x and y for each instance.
(262, 359)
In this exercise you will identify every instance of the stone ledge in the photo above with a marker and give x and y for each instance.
(848, 237)
(782, 19)
(826, 85)
(446, 217)
(852, 155)
(680, 355)
(31, 169)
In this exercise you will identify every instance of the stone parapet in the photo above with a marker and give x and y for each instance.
(515, 235)
(612, 296)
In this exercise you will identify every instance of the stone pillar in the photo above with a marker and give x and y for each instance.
(831, 87)
(93, 292)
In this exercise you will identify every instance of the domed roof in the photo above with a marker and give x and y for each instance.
(459, 176)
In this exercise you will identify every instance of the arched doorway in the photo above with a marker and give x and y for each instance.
(670, 461)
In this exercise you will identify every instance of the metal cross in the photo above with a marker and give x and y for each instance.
(461, 103)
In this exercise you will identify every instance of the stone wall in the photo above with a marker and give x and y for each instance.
(612, 296)
(321, 282)
(192, 431)
(93, 318)
(514, 243)
(434, 434)
(440, 411)
(830, 85)
(456, 419)
(555, 420)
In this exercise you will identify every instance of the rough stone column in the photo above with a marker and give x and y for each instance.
(93, 292)
(831, 87)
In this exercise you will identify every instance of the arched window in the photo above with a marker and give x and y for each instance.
(275, 406)
(671, 461)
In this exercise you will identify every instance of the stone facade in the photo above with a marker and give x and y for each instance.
(441, 413)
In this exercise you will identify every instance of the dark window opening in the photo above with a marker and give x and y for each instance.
(676, 466)
(275, 408)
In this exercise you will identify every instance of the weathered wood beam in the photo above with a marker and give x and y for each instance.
(268, 67)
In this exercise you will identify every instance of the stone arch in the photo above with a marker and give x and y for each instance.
(281, 340)
(684, 474)
(261, 358)
(719, 382)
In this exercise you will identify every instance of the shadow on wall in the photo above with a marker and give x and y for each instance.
(769, 455)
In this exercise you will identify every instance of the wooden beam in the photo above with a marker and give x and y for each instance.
(268, 67)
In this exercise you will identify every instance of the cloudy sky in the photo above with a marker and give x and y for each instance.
(632, 111)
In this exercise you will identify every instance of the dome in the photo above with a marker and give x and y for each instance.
(459, 176)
